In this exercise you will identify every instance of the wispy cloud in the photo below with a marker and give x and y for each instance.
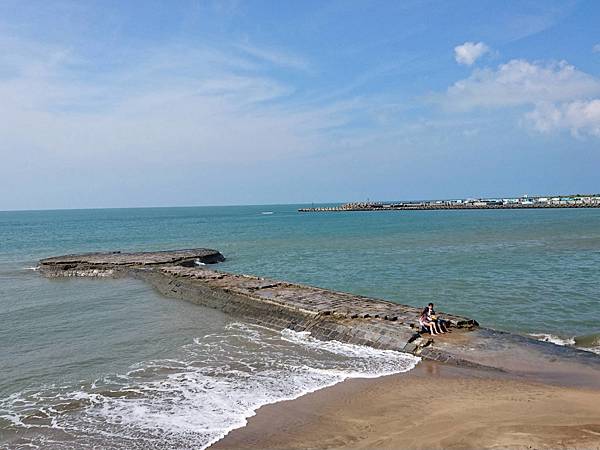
(204, 107)
(535, 17)
(596, 48)
(197, 104)
(278, 58)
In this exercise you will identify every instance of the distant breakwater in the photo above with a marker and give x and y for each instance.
(326, 314)
(436, 207)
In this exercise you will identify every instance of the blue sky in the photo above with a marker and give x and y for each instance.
(148, 103)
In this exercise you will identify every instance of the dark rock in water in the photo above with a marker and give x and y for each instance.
(330, 315)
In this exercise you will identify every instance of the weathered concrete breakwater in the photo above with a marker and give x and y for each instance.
(106, 264)
(328, 314)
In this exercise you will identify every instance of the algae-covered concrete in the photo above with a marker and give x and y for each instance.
(331, 315)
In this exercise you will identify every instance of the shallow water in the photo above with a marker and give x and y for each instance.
(110, 363)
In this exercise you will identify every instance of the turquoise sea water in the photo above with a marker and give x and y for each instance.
(530, 271)
(79, 356)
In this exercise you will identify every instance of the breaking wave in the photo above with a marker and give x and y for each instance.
(192, 401)
(590, 342)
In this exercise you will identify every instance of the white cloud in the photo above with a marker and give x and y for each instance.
(520, 82)
(596, 48)
(469, 52)
(559, 96)
(579, 117)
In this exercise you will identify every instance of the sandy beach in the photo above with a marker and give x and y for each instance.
(432, 406)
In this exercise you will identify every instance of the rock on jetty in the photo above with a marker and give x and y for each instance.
(329, 315)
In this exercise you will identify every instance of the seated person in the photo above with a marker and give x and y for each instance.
(427, 323)
(441, 324)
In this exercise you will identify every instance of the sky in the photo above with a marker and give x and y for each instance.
(176, 103)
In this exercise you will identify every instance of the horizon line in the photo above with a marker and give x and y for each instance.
(282, 204)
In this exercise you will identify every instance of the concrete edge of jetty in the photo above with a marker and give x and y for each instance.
(330, 315)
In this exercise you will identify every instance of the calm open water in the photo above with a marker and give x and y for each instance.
(110, 363)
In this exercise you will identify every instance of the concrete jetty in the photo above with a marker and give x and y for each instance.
(331, 315)
(109, 263)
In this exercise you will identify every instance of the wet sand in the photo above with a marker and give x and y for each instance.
(432, 406)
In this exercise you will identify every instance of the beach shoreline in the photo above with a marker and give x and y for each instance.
(473, 408)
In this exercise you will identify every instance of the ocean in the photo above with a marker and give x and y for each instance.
(110, 363)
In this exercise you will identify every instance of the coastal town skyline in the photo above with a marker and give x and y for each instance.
(523, 202)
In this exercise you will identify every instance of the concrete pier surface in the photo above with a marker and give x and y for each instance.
(116, 259)
(331, 315)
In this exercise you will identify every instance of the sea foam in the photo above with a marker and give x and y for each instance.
(591, 345)
(219, 381)
(553, 338)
